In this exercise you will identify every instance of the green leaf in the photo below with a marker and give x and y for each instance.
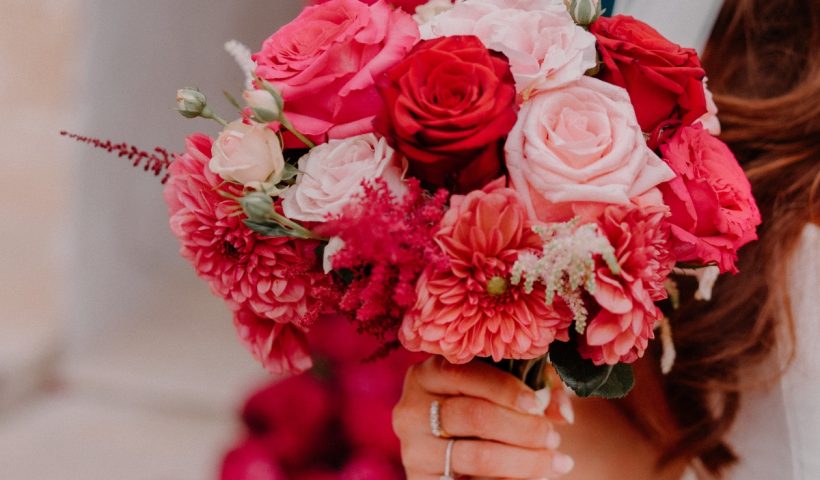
(270, 229)
(587, 379)
(290, 172)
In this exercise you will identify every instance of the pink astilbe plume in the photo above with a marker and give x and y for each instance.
(387, 243)
(157, 161)
(277, 280)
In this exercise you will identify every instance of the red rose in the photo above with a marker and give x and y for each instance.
(713, 211)
(447, 106)
(664, 80)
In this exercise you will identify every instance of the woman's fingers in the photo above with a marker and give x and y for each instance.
(478, 418)
(485, 459)
(477, 379)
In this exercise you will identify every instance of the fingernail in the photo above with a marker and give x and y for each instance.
(567, 411)
(527, 402)
(553, 440)
(543, 396)
(562, 464)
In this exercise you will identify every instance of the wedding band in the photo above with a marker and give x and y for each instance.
(435, 420)
(448, 460)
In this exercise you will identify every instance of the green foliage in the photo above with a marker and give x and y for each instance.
(587, 379)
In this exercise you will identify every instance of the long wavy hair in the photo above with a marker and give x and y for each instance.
(763, 61)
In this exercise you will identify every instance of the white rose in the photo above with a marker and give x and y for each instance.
(545, 47)
(263, 104)
(426, 12)
(247, 154)
(331, 173)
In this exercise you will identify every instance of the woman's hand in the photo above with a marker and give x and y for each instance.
(498, 423)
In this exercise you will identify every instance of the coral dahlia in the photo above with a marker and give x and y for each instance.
(470, 309)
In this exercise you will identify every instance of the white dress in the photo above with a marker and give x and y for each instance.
(777, 434)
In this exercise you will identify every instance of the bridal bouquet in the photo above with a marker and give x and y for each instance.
(513, 180)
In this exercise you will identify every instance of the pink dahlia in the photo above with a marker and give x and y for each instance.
(281, 348)
(621, 330)
(277, 279)
(470, 309)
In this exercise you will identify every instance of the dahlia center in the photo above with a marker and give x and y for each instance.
(497, 286)
(230, 250)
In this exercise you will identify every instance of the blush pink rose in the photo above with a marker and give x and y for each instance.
(249, 154)
(332, 173)
(545, 48)
(325, 63)
(581, 143)
(713, 210)
(470, 309)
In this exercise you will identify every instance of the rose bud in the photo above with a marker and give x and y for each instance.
(191, 103)
(257, 206)
(585, 12)
(248, 154)
(264, 104)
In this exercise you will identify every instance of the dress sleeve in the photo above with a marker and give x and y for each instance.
(801, 384)
(777, 432)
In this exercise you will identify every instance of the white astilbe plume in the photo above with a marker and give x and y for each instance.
(566, 265)
(242, 56)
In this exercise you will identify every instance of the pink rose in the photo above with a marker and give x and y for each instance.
(408, 6)
(713, 210)
(325, 63)
(332, 173)
(247, 154)
(545, 47)
(580, 144)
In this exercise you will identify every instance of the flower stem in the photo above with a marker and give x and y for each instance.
(289, 127)
(295, 227)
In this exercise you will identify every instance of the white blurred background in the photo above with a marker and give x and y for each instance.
(115, 361)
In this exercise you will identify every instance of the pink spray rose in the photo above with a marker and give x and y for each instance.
(544, 46)
(581, 143)
(326, 61)
(621, 330)
(713, 210)
(332, 173)
(470, 309)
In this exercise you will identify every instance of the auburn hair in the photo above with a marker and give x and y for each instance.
(763, 62)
